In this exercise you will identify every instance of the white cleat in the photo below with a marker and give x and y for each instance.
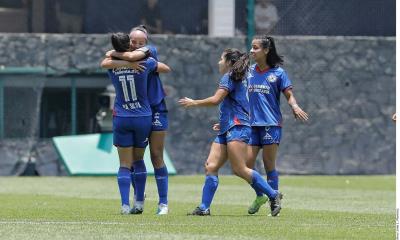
(125, 209)
(162, 209)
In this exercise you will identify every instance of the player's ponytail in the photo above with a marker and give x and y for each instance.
(238, 61)
(120, 42)
(273, 59)
(240, 67)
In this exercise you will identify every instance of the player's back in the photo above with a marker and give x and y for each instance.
(234, 109)
(131, 90)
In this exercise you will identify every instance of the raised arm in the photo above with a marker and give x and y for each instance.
(109, 63)
(297, 111)
(163, 68)
(138, 54)
(219, 95)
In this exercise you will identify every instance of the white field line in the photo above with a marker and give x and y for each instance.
(159, 224)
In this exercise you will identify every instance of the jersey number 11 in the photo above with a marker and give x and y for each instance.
(126, 81)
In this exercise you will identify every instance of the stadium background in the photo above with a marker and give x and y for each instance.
(341, 60)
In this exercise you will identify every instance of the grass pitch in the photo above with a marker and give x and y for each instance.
(314, 207)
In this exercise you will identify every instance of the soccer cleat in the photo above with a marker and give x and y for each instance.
(275, 204)
(162, 209)
(136, 210)
(199, 212)
(257, 203)
(125, 209)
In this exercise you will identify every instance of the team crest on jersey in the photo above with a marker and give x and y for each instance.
(272, 78)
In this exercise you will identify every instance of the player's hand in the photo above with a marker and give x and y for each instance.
(186, 102)
(138, 66)
(394, 117)
(109, 53)
(216, 127)
(299, 113)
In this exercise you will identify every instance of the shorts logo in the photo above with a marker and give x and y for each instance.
(157, 123)
(267, 136)
(228, 134)
(272, 78)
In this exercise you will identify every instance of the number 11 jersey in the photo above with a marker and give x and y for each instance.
(131, 98)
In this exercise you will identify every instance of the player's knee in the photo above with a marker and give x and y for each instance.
(211, 167)
(125, 164)
(157, 159)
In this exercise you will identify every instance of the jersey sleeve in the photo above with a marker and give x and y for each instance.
(151, 64)
(153, 52)
(284, 82)
(226, 83)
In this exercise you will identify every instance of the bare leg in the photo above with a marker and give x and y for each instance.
(269, 156)
(125, 156)
(252, 156)
(237, 155)
(216, 159)
(157, 148)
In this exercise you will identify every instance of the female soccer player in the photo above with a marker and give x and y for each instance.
(266, 81)
(132, 118)
(234, 133)
(156, 95)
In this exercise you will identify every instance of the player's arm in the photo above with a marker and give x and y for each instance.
(109, 63)
(163, 68)
(219, 95)
(138, 54)
(297, 111)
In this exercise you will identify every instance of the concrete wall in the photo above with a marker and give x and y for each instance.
(346, 84)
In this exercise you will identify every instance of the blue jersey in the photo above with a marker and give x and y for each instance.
(234, 109)
(131, 98)
(264, 94)
(155, 88)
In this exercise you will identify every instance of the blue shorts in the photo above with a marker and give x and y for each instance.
(160, 117)
(236, 133)
(265, 135)
(131, 131)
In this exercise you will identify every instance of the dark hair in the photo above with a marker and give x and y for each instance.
(273, 59)
(239, 61)
(120, 42)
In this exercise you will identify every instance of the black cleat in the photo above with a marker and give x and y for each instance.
(199, 212)
(136, 210)
(275, 204)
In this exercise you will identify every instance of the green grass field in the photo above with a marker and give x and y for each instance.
(314, 207)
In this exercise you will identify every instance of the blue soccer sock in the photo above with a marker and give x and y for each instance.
(161, 175)
(260, 184)
(133, 182)
(209, 188)
(273, 179)
(124, 184)
(140, 179)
